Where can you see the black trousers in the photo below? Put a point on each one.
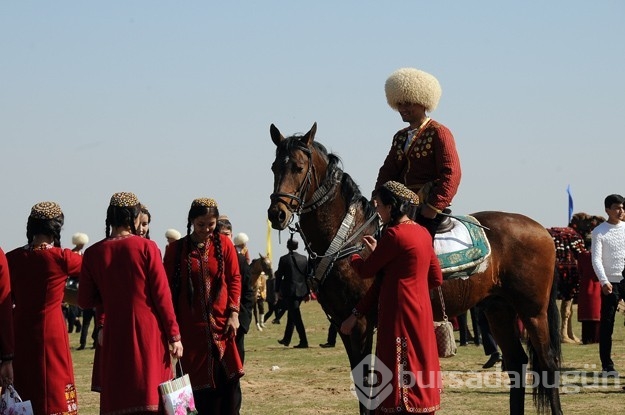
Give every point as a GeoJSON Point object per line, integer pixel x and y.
{"type": "Point", "coordinates": [87, 315]}
{"type": "Point", "coordinates": [609, 304]}
{"type": "Point", "coordinates": [488, 341]}
{"type": "Point", "coordinates": [294, 321]}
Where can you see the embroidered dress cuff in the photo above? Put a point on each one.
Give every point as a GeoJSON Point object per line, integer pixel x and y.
{"type": "Point", "coordinates": [174, 339]}
{"type": "Point", "coordinates": [233, 308]}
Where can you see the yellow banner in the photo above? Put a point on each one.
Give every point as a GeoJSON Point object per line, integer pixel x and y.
{"type": "Point", "coordinates": [269, 239]}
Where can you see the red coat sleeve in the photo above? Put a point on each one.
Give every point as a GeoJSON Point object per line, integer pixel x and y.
{"type": "Point", "coordinates": [448, 169]}
{"type": "Point", "coordinates": [73, 262]}
{"type": "Point", "coordinates": [6, 311]}
{"type": "Point", "coordinates": [160, 292]}
{"type": "Point", "coordinates": [232, 273]}
{"type": "Point", "coordinates": [88, 293]}
{"type": "Point", "coordinates": [435, 274]}
{"type": "Point", "coordinates": [385, 252]}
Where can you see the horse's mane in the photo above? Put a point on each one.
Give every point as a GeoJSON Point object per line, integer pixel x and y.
{"type": "Point", "coordinates": [349, 189]}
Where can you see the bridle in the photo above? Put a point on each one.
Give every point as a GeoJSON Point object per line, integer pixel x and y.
{"type": "Point", "coordinates": [339, 247]}
{"type": "Point", "coordinates": [295, 200]}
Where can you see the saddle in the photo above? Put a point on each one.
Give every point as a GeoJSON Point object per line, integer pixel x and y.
{"type": "Point", "coordinates": [461, 249]}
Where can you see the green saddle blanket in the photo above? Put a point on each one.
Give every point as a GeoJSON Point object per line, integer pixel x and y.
{"type": "Point", "coordinates": [463, 247]}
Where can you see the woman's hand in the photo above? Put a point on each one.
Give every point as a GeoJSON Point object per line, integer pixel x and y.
{"type": "Point", "coordinates": [175, 349]}
{"type": "Point", "coordinates": [370, 244]}
{"type": "Point", "coordinates": [348, 324]}
{"type": "Point", "coordinates": [6, 373]}
{"type": "Point", "coordinates": [232, 325]}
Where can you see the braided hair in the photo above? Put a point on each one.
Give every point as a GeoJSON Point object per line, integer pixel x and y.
{"type": "Point", "coordinates": [49, 227]}
{"type": "Point", "coordinates": [122, 216]}
{"type": "Point", "coordinates": [195, 212]}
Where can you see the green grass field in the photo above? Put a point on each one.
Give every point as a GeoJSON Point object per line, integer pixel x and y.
{"type": "Point", "coordinates": [282, 380]}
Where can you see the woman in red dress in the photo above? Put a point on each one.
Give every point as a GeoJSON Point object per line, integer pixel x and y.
{"type": "Point", "coordinates": [203, 271]}
{"type": "Point", "coordinates": [43, 363]}
{"type": "Point", "coordinates": [408, 268]}
{"type": "Point", "coordinates": [6, 324]}
{"type": "Point", "coordinates": [123, 276]}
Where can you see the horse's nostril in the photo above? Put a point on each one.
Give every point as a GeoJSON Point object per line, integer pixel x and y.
{"type": "Point", "coordinates": [281, 216]}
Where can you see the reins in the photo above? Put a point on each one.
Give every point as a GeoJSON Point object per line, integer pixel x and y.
{"type": "Point", "coordinates": [339, 246]}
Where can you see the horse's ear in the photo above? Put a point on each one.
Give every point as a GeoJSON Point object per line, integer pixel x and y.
{"type": "Point", "coordinates": [310, 136]}
{"type": "Point", "coordinates": [276, 135]}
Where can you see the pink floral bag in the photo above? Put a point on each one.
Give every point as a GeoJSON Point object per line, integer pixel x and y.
{"type": "Point", "coordinates": [177, 395]}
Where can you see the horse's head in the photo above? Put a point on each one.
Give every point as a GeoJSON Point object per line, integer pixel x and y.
{"type": "Point", "coordinates": [265, 265]}
{"type": "Point", "coordinates": [295, 175]}
{"type": "Point", "coordinates": [584, 223]}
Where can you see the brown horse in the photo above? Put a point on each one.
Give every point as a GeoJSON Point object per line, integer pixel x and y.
{"type": "Point", "coordinates": [517, 280]}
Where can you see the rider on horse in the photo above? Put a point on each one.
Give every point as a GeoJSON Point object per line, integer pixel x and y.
{"type": "Point", "coordinates": [423, 155]}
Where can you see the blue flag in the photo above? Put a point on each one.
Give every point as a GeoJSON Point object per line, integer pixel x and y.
{"type": "Point", "coordinates": [568, 190]}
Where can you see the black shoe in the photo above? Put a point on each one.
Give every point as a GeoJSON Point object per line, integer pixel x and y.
{"type": "Point", "coordinates": [275, 321]}
{"type": "Point", "coordinates": [492, 361]}
{"type": "Point", "coordinates": [301, 346]}
{"type": "Point", "coordinates": [78, 327]}
{"type": "Point", "coordinates": [283, 342]}
{"type": "Point", "coordinates": [327, 345]}
{"type": "Point", "coordinates": [609, 373]}
{"type": "Point", "coordinates": [81, 347]}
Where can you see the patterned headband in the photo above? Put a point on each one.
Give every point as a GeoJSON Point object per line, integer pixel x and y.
{"type": "Point", "coordinates": [124, 199]}
{"type": "Point", "coordinates": [46, 210]}
{"type": "Point", "coordinates": [402, 192]}
{"type": "Point", "coordinates": [204, 202]}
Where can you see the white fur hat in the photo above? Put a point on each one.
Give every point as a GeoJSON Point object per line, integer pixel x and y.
{"type": "Point", "coordinates": [414, 86]}
{"type": "Point", "coordinates": [241, 239]}
{"type": "Point", "coordinates": [172, 233]}
{"type": "Point", "coordinates": [80, 239]}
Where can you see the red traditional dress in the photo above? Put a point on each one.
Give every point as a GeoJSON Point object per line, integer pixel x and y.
{"type": "Point", "coordinates": [203, 304]}
{"type": "Point", "coordinates": [6, 311]}
{"type": "Point", "coordinates": [42, 365]}
{"type": "Point", "coordinates": [588, 299]}
{"type": "Point", "coordinates": [406, 340]}
{"type": "Point", "coordinates": [125, 276]}
{"type": "Point", "coordinates": [430, 156]}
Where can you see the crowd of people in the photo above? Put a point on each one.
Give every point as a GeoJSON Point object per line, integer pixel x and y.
{"type": "Point", "coordinates": [195, 304]}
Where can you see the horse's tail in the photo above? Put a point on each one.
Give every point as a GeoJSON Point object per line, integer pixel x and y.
{"type": "Point", "coordinates": [549, 376]}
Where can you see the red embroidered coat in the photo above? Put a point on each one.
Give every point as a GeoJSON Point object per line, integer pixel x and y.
{"type": "Point", "coordinates": [431, 156]}
{"type": "Point", "coordinates": [125, 276]}
{"type": "Point", "coordinates": [406, 339]}
{"type": "Point", "coordinates": [203, 312]}
{"type": "Point", "coordinates": [6, 310]}
{"type": "Point", "coordinates": [42, 365]}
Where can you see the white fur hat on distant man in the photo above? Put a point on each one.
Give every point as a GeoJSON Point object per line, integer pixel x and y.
{"type": "Point", "coordinates": [241, 239]}
{"type": "Point", "coordinates": [80, 239]}
{"type": "Point", "coordinates": [172, 234]}
{"type": "Point", "coordinates": [413, 86]}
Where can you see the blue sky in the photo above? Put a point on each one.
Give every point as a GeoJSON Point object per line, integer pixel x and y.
{"type": "Point", "coordinates": [173, 101]}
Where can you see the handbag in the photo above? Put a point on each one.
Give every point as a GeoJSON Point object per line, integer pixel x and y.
{"type": "Point", "coordinates": [12, 404]}
{"type": "Point", "coordinates": [177, 395]}
{"type": "Point", "coordinates": [444, 331]}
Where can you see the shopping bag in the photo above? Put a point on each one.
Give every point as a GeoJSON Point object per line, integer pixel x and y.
{"type": "Point", "coordinates": [12, 404]}
{"type": "Point", "coordinates": [177, 396]}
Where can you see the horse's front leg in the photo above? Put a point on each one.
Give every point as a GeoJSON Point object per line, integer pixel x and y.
{"type": "Point", "coordinates": [358, 345]}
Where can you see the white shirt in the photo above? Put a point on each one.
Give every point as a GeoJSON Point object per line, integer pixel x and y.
{"type": "Point", "coordinates": [608, 252]}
